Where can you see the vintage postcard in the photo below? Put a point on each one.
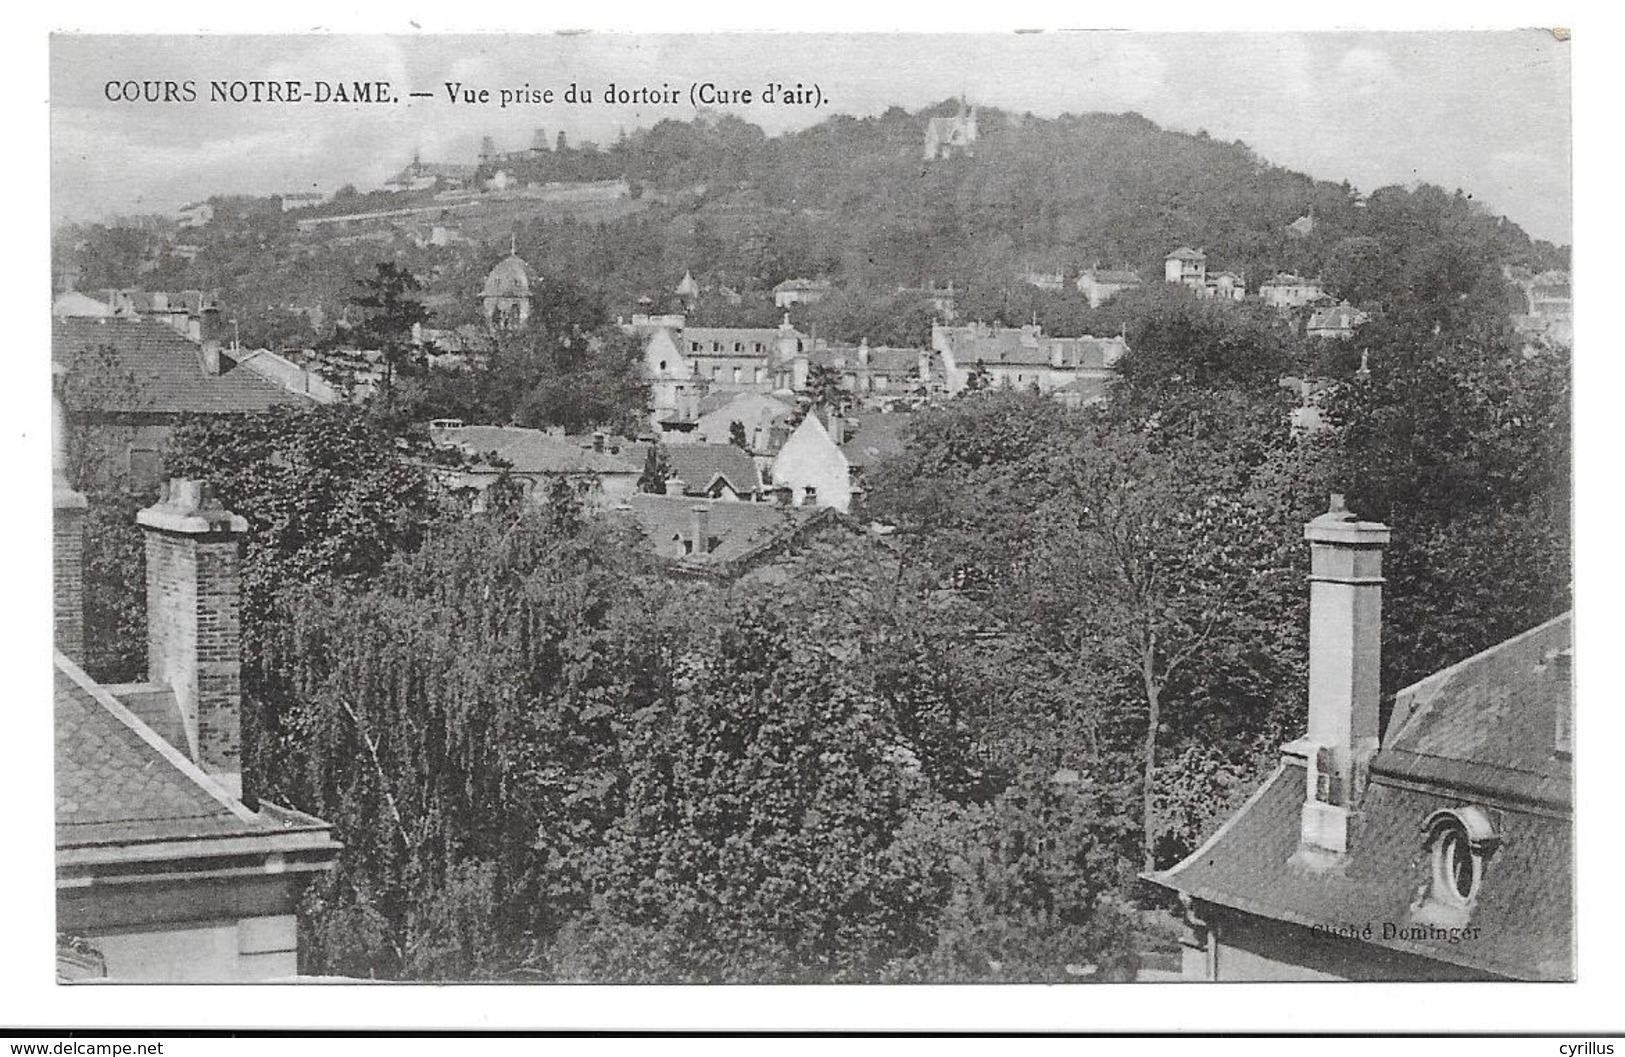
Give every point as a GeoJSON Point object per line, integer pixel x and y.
{"type": "Point", "coordinates": [830, 508]}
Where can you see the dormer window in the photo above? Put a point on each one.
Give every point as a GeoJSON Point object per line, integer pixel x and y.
{"type": "Point", "coordinates": [1460, 842]}
{"type": "Point", "coordinates": [1456, 870]}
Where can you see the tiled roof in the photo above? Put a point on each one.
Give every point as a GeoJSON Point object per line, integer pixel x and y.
{"type": "Point", "coordinates": [113, 786]}
{"type": "Point", "coordinates": [1482, 732]}
{"type": "Point", "coordinates": [699, 465]}
{"type": "Point", "coordinates": [155, 370]}
{"type": "Point", "coordinates": [741, 529]}
{"type": "Point", "coordinates": [1185, 253]}
{"type": "Point", "coordinates": [533, 451]}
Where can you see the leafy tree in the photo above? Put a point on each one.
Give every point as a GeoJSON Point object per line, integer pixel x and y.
{"type": "Point", "coordinates": [392, 306]}
{"type": "Point", "coordinates": [736, 436]}
{"type": "Point", "coordinates": [329, 501]}
{"type": "Point", "coordinates": [826, 388]}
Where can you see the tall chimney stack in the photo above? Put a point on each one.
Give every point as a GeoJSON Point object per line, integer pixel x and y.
{"type": "Point", "coordinates": [67, 537]}
{"type": "Point", "coordinates": [193, 619]}
{"type": "Point", "coordinates": [1345, 662]}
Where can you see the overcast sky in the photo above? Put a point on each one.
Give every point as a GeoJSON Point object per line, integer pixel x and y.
{"type": "Point", "coordinates": [1487, 112]}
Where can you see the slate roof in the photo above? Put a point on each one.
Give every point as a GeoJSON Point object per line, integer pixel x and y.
{"type": "Point", "coordinates": [699, 465]}
{"type": "Point", "coordinates": [1185, 253]}
{"type": "Point", "coordinates": [534, 451]}
{"type": "Point", "coordinates": [115, 786]}
{"type": "Point", "coordinates": [155, 370]}
{"type": "Point", "coordinates": [1483, 732]}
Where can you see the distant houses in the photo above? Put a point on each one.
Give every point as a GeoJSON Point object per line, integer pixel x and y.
{"type": "Point", "coordinates": [1285, 290]}
{"type": "Point", "coordinates": [1022, 357]}
{"type": "Point", "coordinates": [534, 462]}
{"type": "Point", "coordinates": [1335, 322]}
{"type": "Point", "coordinates": [1099, 285]}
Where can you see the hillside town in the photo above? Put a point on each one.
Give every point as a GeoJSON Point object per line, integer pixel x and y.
{"type": "Point", "coordinates": [553, 556]}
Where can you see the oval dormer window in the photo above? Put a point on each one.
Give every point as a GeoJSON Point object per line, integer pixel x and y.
{"type": "Point", "coordinates": [1459, 840]}
{"type": "Point", "coordinates": [1455, 867]}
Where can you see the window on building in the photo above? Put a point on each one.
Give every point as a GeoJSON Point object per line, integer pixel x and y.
{"type": "Point", "coordinates": [662, 365]}
{"type": "Point", "coordinates": [736, 375]}
{"type": "Point", "coordinates": [1460, 842]}
{"type": "Point", "coordinates": [1455, 867]}
{"type": "Point", "coordinates": [739, 346]}
{"type": "Point", "coordinates": [693, 346]}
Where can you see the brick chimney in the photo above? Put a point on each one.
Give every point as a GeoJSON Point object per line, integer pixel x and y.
{"type": "Point", "coordinates": [67, 537]}
{"type": "Point", "coordinates": [193, 613]}
{"type": "Point", "coordinates": [1345, 655]}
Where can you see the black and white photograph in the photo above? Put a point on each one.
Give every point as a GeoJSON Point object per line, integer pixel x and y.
{"type": "Point", "coordinates": [733, 508]}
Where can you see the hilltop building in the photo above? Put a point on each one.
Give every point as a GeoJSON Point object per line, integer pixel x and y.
{"type": "Point", "coordinates": [1439, 848]}
{"type": "Point", "coordinates": [420, 175]}
{"type": "Point", "coordinates": [947, 137]}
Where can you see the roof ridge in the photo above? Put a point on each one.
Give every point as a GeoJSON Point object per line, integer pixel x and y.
{"type": "Point", "coordinates": [170, 753]}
